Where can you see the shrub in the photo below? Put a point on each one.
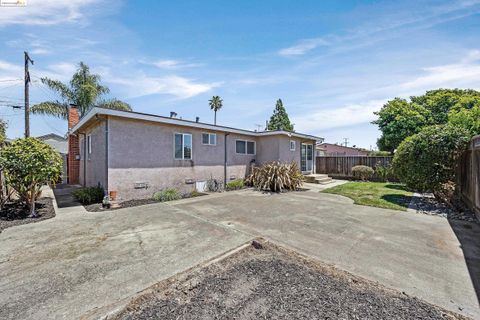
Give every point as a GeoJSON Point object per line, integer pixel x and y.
{"type": "Point", "coordinates": [235, 184]}
{"type": "Point", "coordinates": [28, 164]}
{"type": "Point", "coordinates": [362, 172]}
{"type": "Point", "coordinates": [166, 195]}
{"type": "Point", "coordinates": [276, 176]}
{"type": "Point", "coordinates": [379, 154]}
{"type": "Point", "coordinates": [89, 195]}
{"type": "Point", "coordinates": [385, 173]}
{"type": "Point", "coordinates": [427, 160]}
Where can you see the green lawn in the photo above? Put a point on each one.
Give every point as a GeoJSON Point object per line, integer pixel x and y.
{"type": "Point", "coordinates": [375, 194]}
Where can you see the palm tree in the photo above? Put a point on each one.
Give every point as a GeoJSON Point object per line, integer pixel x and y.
{"type": "Point", "coordinates": [84, 91]}
{"type": "Point", "coordinates": [215, 104]}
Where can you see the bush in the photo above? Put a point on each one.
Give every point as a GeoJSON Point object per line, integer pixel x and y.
{"type": "Point", "coordinates": [166, 195]}
{"type": "Point", "coordinates": [362, 172]}
{"type": "Point", "coordinates": [28, 164]}
{"type": "Point", "coordinates": [427, 160]}
{"type": "Point", "coordinates": [385, 173]}
{"type": "Point", "coordinates": [235, 184]}
{"type": "Point", "coordinates": [276, 176]}
{"type": "Point", "coordinates": [89, 195]}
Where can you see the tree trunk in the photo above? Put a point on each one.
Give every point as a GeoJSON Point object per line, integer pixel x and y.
{"type": "Point", "coordinates": [33, 195]}
{"type": "Point", "coordinates": [215, 118]}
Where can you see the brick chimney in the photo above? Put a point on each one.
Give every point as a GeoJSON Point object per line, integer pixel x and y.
{"type": "Point", "coordinates": [73, 147]}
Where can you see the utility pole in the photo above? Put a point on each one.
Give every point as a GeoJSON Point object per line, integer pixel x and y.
{"type": "Point", "coordinates": [27, 95]}
{"type": "Point", "coordinates": [345, 141]}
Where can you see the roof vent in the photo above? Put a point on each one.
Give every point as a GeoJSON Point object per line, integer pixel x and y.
{"type": "Point", "coordinates": [197, 119]}
{"type": "Point", "coordinates": [173, 114]}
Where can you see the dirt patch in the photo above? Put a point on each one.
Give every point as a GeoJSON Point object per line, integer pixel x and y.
{"type": "Point", "coordinates": [17, 213]}
{"type": "Point", "coordinates": [267, 281]}
{"type": "Point", "coordinates": [97, 207]}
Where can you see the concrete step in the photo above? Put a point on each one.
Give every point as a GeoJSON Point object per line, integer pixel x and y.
{"type": "Point", "coordinates": [311, 178]}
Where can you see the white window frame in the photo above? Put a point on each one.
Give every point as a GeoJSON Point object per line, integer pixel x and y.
{"type": "Point", "coordinates": [246, 147]}
{"type": "Point", "coordinates": [209, 139]}
{"type": "Point", "coordinates": [183, 145]}
{"type": "Point", "coordinates": [294, 143]}
{"type": "Point", "coordinates": [89, 144]}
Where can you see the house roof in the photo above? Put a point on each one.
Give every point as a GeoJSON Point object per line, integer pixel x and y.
{"type": "Point", "coordinates": [323, 146]}
{"type": "Point", "coordinates": [57, 142]}
{"type": "Point", "coordinates": [94, 112]}
{"type": "Point", "coordinates": [52, 136]}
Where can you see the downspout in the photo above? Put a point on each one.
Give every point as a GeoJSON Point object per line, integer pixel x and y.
{"type": "Point", "coordinates": [106, 150]}
{"type": "Point", "coordinates": [225, 163]}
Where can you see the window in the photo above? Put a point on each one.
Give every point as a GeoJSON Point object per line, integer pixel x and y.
{"type": "Point", "coordinates": [209, 139]}
{"type": "Point", "coordinates": [89, 144]}
{"type": "Point", "coordinates": [292, 145]}
{"type": "Point", "coordinates": [183, 146]}
{"type": "Point", "coordinates": [245, 147]}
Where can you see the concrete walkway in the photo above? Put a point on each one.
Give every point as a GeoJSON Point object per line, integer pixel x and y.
{"type": "Point", "coordinates": [424, 256]}
{"type": "Point", "coordinates": [64, 267]}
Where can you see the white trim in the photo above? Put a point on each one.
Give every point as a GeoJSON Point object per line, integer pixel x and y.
{"type": "Point", "coordinates": [209, 140]}
{"type": "Point", "coordinates": [184, 123]}
{"type": "Point", "coordinates": [294, 145]}
{"type": "Point", "coordinates": [89, 144]}
{"type": "Point", "coordinates": [246, 147]}
{"type": "Point", "coordinates": [183, 145]}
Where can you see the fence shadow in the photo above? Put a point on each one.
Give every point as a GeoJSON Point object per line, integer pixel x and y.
{"type": "Point", "coordinates": [468, 234]}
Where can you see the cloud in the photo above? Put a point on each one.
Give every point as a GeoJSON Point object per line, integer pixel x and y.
{"type": "Point", "coordinates": [143, 85]}
{"type": "Point", "coordinates": [44, 12]}
{"type": "Point", "coordinates": [303, 47]}
{"type": "Point", "coordinates": [173, 64]}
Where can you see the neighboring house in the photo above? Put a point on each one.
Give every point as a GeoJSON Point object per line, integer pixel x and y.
{"type": "Point", "coordinates": [59, 144]}
{"type": "Point", "coordinates": [136, 154]}
{"type": "Point", "coordinates": [330, 149]}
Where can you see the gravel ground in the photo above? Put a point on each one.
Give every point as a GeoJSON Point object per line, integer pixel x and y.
{"type": "Point", "coordinates": [425, 203]}
{"type": "Point", "coordinates": [274, 283]}
{"type": "Point", "coordinates": [16, 213]}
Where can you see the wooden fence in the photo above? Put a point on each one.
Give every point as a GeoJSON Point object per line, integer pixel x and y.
{"type": "Point", "coordinates": [342, 165]}
{"type": "Point", "coordinates": [468, 176]}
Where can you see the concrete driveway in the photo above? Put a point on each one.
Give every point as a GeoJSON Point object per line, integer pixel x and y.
{"type": "Point", "coordinates": [422, 255]}
{"type": "Point", "coordinates": [66, 266]}
{"type": "Point", "coordinates": [63, 267]}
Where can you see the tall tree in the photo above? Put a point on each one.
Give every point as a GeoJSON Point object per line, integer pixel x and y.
{"type": "Point", "coordinates": [3, 131]}
{"type": "Point", "coordinates": [216, 104]}
{"type": "Point", "coordinates": [84, 90]}
{"type": "Point", "coordinates": [399, 118]}
{"type": "Point", "coordinates": [279, 119]}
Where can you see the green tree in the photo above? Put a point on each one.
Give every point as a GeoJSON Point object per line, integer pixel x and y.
{"type": "Point", "coordinates": [469, 119]}
{"type": "Point", "coordinates": [28, 164]}
{"type": "Point", "coordinates": [216, 104]}
{"type": "Point", "coordinates": [3, 131]}
{"type": "Point", "coordinates": [398, 120]}
{"type": "Point", "coordinates": [279, 119]}
{"type": "Point", "coordinates": [427, 160]}
{"type": "Point", "coordinates": [84, 90]}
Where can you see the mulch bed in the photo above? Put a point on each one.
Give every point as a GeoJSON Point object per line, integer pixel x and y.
{"type": "Point", "coordinates": [17, 213]}
{"type": "Point", "coordinates": [269, 282]}
{"type": "Point", "coordinates": [97, 207]}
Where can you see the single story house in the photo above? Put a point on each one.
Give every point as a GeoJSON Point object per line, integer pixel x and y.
{"type": "Point", "coordinates": [136, 154]}
{"type": "Point", "coordinates": [331, 149]}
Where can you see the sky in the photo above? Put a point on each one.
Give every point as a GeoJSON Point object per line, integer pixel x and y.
{"type": "Point", "coordinates": [333, 63]}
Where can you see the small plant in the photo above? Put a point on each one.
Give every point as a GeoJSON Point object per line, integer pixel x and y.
{"type": "Point", "coordinates": [166, 195]}
{"type": "Point", "coordinates": [89, 195]}
{"type": "Point", "coordinates": [385, 173]}
{"type": "Point", "coordinates": [213, 185]}
{"type": "Point", "coordinates": [276, 176]}
{"type": "Point", "coordinates": [235, 184]}
{"type": "Point", "coordinates": [362, 172]}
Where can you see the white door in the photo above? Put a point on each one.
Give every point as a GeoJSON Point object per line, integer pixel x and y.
{"type": "Point", "coordinates": [306, 158]}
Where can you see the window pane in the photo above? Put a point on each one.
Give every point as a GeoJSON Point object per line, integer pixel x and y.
{"type": "Point", "coordinates": [213, 139]}
{"type": "Point", "coordinates": [240, 146]}
{"type": "Point", "coordinates": [187, 146]}
{"type": "Point", "coordinates": [251, 147]}
{"type": "Point", "coordinates": [178, 146]}
{"type": "Point", "coordinates": [205, 138]}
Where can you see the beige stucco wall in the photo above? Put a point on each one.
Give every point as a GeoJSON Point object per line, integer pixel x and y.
{"type": "Point", "coordinates": [142, 152]}
{"type": "Point", "coordinates": [94, 164]}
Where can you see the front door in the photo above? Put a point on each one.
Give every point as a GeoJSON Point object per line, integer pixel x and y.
{"type": "Point", "coordinates": [306, 158]}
